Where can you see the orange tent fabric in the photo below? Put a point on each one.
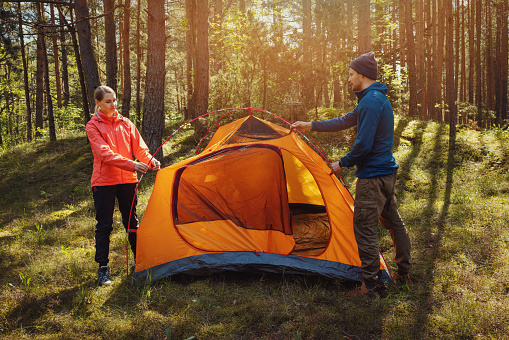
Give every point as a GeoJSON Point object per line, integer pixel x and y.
{"type": "Point", "coordinates": [258, 198]}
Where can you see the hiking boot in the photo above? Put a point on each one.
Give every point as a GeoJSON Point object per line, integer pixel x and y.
{"type": "Point", "coordinates": [103, 276]}
{"type": "Point", "coordinates": [367, 290]}
{"type": "Point", "coordinates": [401, 279]}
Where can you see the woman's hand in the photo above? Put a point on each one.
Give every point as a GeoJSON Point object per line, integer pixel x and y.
{"type": "Point", "coordinates": [141, 167]}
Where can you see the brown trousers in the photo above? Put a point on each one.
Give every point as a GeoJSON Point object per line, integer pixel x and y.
{"type": "Point", "coordinates": [375, 201]}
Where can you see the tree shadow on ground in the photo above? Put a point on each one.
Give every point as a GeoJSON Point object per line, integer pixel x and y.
{"type": "Point", "coordinates": [31, 310]}
{"type": "Point", "coordinates": [433, 238]}
{"type": "Point", "coordinates": [405, 167]}
{"type": "Point", "coordinates": [53, 174]}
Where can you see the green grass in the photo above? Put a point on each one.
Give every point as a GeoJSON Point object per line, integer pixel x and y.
{"type": "Point", "coordinates": [456, 208]}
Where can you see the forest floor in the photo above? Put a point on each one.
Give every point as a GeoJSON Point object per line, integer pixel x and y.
{"type": "Point", "coordinates": [456, 207]}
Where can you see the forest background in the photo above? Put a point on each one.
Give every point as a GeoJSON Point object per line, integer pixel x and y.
{"type": "Point", "coordinates": [443, 60]}
{"type": "Point", "coordinates": [445, 63]}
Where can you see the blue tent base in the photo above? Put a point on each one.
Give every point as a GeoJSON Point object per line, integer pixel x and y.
{"type": "Point", "coordinates": [252, 262]}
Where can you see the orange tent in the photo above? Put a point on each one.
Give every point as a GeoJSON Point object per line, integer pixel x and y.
{"type": "Point", "coordinates": [258, 198]}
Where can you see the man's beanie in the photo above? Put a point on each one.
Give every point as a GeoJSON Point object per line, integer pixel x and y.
{"type": "Point", "coordinates": [366, 65]}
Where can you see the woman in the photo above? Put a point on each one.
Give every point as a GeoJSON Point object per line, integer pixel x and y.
{"type": "Point", "coordinates": [114, 140]}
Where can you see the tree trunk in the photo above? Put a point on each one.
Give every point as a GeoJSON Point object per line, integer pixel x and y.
{"type": "Point", "coordinates": [501, 63]}
{"type": "Point", "coordinates": [412, 76]}
{"type": "Point", "coordinates": [153, 108]}
{"type": "Point", "coordinates": [463, 84]}
{"type": "Point", "coordinates": [477, 66]}
{"type": "Point", "coordinates": [364, 26]}
{"type": "Point", "coordinates": [402, 33]}
{"type": "Point", "coordinates": [430, 61]}
{"type": "Point", "coordinates": [504, 58]}
{"type": "Point", "coordinates": [25, 77]}
{"type": "Point", "coordinates": [379, 27]}
{"type": "Point", "coordinates": [121, 56]}
{"type": "Point", "coordinates": [43, 54]}
{"type": "Point", "coordinates": [190, 52]}
{"type": "Point", "coordinates": [457, 42]}
{"type": "Point", "coordinates": [139, 57]}
{"type": "Point", "coordinates": [39, 78]}
{"type": "Point", "coordinates": [471, 52]}
{"type": "Point", "coordinates": [202, 63]}
{"type": "Point", "coordinates": [218, 44]}
{"type": "Point", "coordinates": [81, 74]}
{"type": "Point", "coordinates": [489, 62]}
{"type": "Point", "coordinates": [449, 76]}
{"type": "Point", "coordinates": [440, 61]}
{"type": "Point", "coordinates": [51, 117]}
{"type": "Point", "coordinates": [86, 50]}
{"type": "Point", "coordinates": [110, 42]}
{"type": "Point", "coordinates": [394, 45]}
{"type": "Point", "coordinates": [126, 93]}
{"type": "Point", "coordinates": [419, 60]}
{"type": "Point", "coordinates": [65, 67]}
{"type": "Point", "coordinates": [307, 58]}
{"type": "Point", "coordinates": [56, 59]}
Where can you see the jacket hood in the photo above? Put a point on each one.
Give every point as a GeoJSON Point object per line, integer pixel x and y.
{"type": "Point", "coordinates": [375, 86]}
{"type": "Point", "coordinates": [101, 117]}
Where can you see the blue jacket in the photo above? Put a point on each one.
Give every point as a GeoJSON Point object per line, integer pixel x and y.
{"type": "Point", "coordinates": [372, 151]}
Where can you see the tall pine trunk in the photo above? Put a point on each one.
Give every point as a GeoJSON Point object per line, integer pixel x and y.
{"type": "Point", "coordinates": [110, 43]}
{"type": "Point", "coordinates": [56, 58]}
{"type": "Point", "coordinates": [153, 108]}
{"type": "Point", "coordinates": [190, 52]}
{"type": "Point", "coordinates": [139, 57]}
{"type": "Point", "coordinates": [49, 101]}
{"type": "Point", "coordinates": [307, 57]}
{"type": "Point", "coordinates": [504, 58]}
{"type": "Point", "coordinates": [402, 33]}
{"type": "Point", "coordinates": [430, 61]}
{"type": "Point", "coordinates": [450, 88]}
{"type": "Point", "coordinates": [412, 75]}
{"type": "Point", "coordinates": [420, 68]}
{"type": "Point", "coordinates": [471, 50]}
{"type": "Point", "coordinates": [65, 66]}
{"type": "Point", "coordinates": [86, 50]}
{"type": "Point", "coordinates": [25, 76]}
{"type": "Point", "coordinates": [202, 63]}
{"type": "Point", "coordinates": [126, 93]}
{"type": "Point", "coordinates": [39, 78]}
{"type": "Point", "coordinates": [440, 61]}
{"type": "Point", "coordinates": [364, 26]}
{"type": "Point", "coordinates": [463, 83]}
{"type": "Point", "coordinates": [477, 66]}
{"type": "Point", "coordinates": [501, 63]}
{"type": "Point", "coordinates": [79, 65]}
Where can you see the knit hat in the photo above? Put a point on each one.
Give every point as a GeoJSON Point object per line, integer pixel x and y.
{"type": "Point", "coordinates": [366, 65]}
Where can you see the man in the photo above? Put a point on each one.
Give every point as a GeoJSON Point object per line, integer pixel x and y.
{"type": "Point", "coordinates": [376, 171]}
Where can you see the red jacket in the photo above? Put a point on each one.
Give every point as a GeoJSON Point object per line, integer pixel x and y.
{"type": "Point", "coordinates": [114, 141]}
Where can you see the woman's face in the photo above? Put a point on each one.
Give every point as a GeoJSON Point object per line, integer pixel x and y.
{"type": "Point", "coordinates": [108, 104]}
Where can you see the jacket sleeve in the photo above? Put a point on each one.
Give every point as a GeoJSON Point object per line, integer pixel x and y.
{"type": "Point", "coordinates": [139, 147]}
{"type": "Point", "coordinates": [335, 124]}
{"type": "Point", "coordinates": [367, 123]}
{"type": "Point", "coordinates": [103, 152]}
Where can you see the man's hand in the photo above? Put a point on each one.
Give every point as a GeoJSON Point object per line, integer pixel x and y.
{"type": "Point", "coordinates": [301, 126]}
{"type": "Point", "coordinates": [336, 168]}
